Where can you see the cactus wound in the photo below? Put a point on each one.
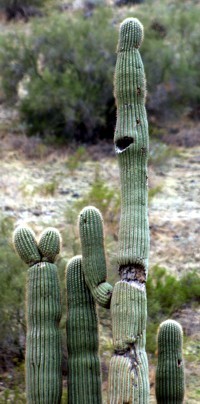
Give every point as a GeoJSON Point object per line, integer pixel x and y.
{"type": "Point", "coordinates": [133, 273]}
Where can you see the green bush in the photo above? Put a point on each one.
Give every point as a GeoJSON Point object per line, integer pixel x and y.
{"type": "Point", "coordinates": [103, 197]}
{"type": "Point", "coordinates": [65, 71]}
{"type": "Point", "coordinates": [60, 72]}
{"type": "Point", "coordinates": [171, 56]}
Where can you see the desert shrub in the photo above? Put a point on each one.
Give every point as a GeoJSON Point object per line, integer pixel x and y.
{"type": "Point", "coordinates": [60, 74]}
{"type": "Point", "coordinates": [171, 57]}
{"type": "Point", "coordinates": [64, 73]}
{"type": "Point", "coordinates": [166, 294]}
{"type": "Point", "coordinates": [103, 197]}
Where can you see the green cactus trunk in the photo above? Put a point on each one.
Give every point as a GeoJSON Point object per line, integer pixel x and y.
{"type": "Point", "coordinates": [128, 375]}
{"type": "Point", "coordinates": [43, 313]}
{"type": "Point", "coordinates": [170, 369]}
{"type": "Point", "coordinates": [84, 376]}
{"type": "Point", "coordinates": [43, 344]}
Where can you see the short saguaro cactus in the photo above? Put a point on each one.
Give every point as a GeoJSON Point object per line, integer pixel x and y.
{"type": "Point", "coordinates": [170, 369]}
{"type": "Point", "coordinates": [43, 313]}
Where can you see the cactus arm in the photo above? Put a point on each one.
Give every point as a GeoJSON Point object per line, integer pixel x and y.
{"type": "Point", "coordinates": [84, 377]}
{"type": "Point", "coordinates": [128, 373]}
{"type": "Point", "coordinates": [43, 313]}
{"type": "Point", "coordinates": [93, 255]}
{"type": "Point", "coordinates": [170, 368]}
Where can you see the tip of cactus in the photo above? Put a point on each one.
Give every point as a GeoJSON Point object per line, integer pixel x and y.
{"type": "Point", "coordinates": [131, 34]}
{"type": "Point", "coordinates": [87, 209]}
{"type": "Point", "coordinates": [74, 262]}
{"type": "Point", "coordinates": [25, 245]}
{"type": "Point", "coordinates": [90, 213]}
{"type": "Point", "coordinates": [170, 324]}
{"type": "Point", "coordinates": [169, 336]}
{"type": "Point", "coordinates": [50, 244]}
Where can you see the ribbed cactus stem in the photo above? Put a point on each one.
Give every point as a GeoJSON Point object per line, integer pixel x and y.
{"type": "Point", "coordinates": [132, 144]}
{"type": "Point", "coordinates": [170, 368]}
{"type": "Point", "coordinates": [43, 313]}
{"type": "Point", "coordinates": [93, 255]}
{"type": "Point", "coordinates": [84, 377]}
{"type": "Point", "coordinates": [128, 375]}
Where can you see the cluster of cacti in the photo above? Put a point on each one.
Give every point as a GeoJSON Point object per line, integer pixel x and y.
{"type": "Point", "coordinates": [86, 277]}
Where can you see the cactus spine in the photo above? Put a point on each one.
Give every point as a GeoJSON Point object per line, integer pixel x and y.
{"type": "Point", "coordinates": [84, 377]}
{"type": "Point", "coordinates": [128, 375]}
{"type": "Point", "coordinates": [170, 369]}
{"type": "Point", "coordinates": [43, 313]}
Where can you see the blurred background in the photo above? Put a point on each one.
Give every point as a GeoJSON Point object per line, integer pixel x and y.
{"type": "Point", "coordinates": [57, 120]}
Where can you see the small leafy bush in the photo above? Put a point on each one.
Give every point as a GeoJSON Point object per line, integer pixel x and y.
{"type": "Point", "coordinates": [104, 198]}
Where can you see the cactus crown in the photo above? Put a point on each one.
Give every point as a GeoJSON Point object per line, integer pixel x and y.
{"type": "Point", "coordinates": [30, 251]}
{"type": "Point", "coordinates": [170, 336]}
{"type": "Point", "coordinates": [131, 34]}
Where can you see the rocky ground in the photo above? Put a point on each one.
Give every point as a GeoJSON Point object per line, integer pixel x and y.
{"type": "Point", "coordinates": [39, 184]}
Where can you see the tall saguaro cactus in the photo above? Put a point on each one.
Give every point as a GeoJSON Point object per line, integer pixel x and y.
{"type": "Point", "coordinates": [128, 377]}
{"type": "Point", "coordinates": [43, 313]}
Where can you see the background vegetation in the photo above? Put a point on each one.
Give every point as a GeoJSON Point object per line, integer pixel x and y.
{"type": "Point", "coordinates": [58, 70]}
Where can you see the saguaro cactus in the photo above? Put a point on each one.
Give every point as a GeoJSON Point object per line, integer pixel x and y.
{"type": "Point", "coordinates": [43, 313]}
{"type": "Point", "coordinates": [128, 375]}
{"type": "Point", "coordinates": [84, 376]}
{"type": "Point", "coordinates": [170, 369]}
{"type": "Point", "coordinates": [128, 378]}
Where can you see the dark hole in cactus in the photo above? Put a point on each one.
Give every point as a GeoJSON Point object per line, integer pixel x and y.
{"type": "Point", "coordinates": [132, 272]}
{"type": "Point", "coordinates": [179, 363]}
{"type": "Point", "coordinates": [137, 121]}
{"type": "Point", "coordinates": [138, 91]}
{"type": "Point", "coordinates": [123, 143]}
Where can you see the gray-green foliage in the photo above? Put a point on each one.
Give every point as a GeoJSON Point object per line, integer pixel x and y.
{"type": "Point", "coordinates": [65, 67]}
{"type": "Point", "coordinates": [65, 72]}
{"type": "Point", "coordinates": [170, 54]}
